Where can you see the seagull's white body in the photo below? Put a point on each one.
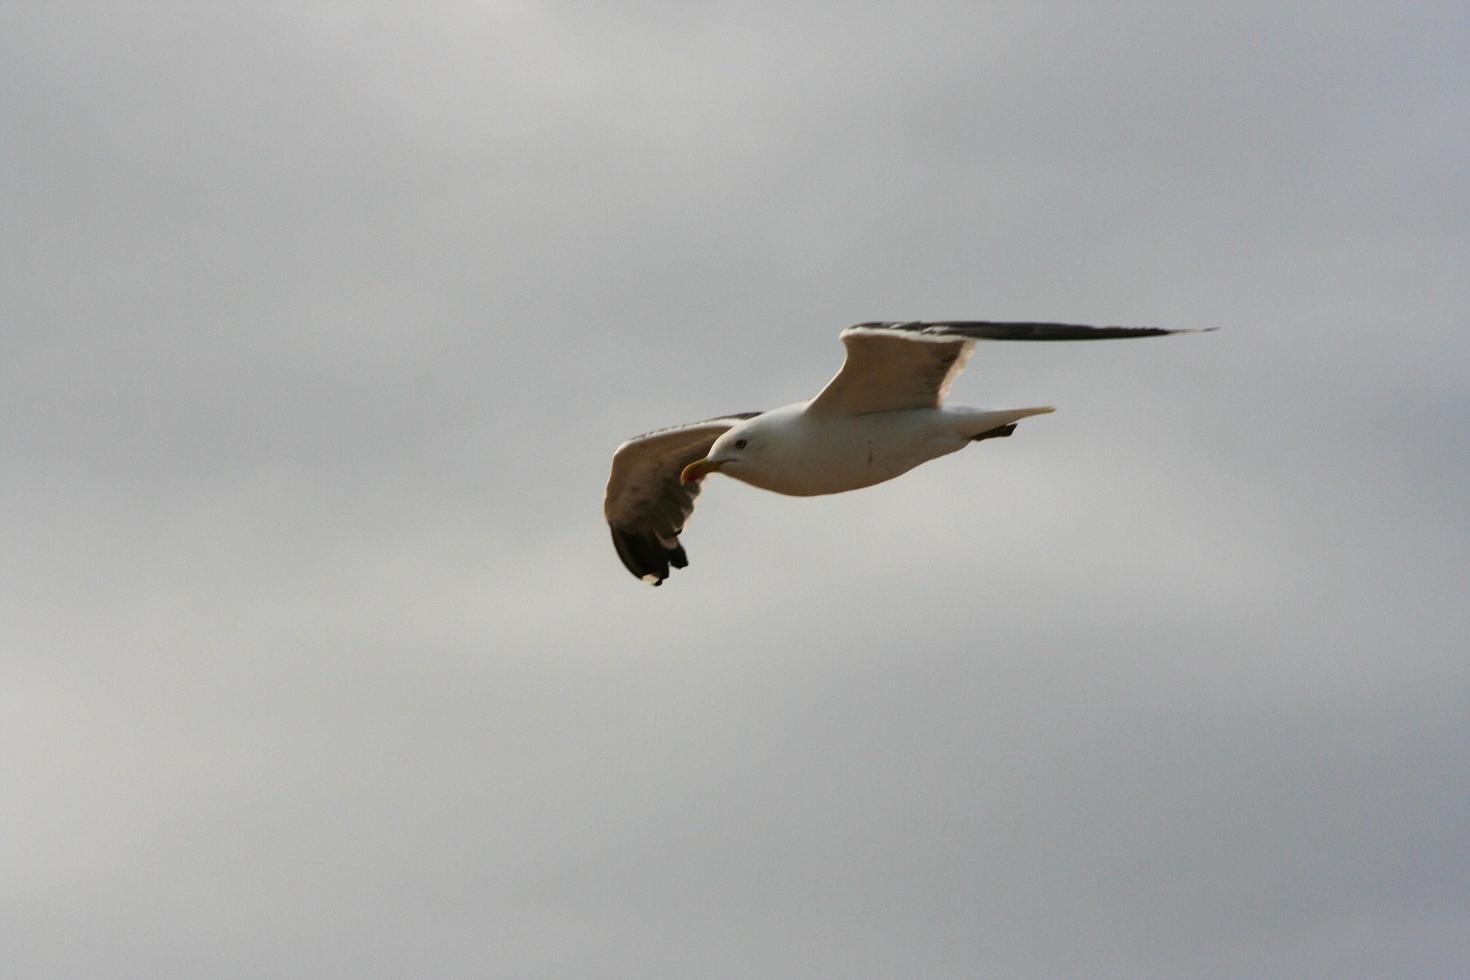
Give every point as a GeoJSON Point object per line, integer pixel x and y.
{"type": "Point", "coordinates": [882, 415]}
{"type": "Point", "coordinates": [814, 453]}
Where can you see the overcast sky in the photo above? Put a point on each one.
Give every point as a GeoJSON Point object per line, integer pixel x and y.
{"type": "Point", "coordinates": [321, 322]}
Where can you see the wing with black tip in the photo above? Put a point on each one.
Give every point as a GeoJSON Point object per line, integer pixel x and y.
{"type": "Point", "coordinates": [646, 506]}
{"type": "Point", "coordinates": [894, 366]}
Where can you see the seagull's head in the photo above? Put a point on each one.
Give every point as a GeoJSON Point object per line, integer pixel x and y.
{"type": "Point", "coordinates": [734, 452]}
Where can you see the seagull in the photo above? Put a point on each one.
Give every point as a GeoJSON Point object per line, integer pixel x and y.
{"type": "Point", "coordinates": [882, 415]}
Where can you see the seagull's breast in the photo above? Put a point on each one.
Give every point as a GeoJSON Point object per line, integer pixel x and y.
{"type": "Point", "coordinates": [814, 454]}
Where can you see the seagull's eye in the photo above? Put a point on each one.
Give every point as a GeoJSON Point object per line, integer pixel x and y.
{"type": "Point", "coordinates": [739, 443]}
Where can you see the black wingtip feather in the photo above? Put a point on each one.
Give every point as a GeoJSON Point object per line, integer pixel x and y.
{"type": "Point", "coordinates": [644, 555]}
{"type": "Point", "coordinates": [1006, 330]}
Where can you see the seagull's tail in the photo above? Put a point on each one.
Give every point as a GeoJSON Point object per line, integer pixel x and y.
{"type": "Point", "coordinates": [1021, 413]}
{"type": "Point", "coordinates": [978, 424]}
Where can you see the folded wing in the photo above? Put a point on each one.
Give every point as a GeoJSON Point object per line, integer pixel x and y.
{"type": "Point", "coordinates": [893, 366]}
{"type": "Point", "coordinates": [646, 506]}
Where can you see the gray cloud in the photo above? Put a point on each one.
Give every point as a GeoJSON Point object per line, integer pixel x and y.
{"type": "Point", "coordinates": [321, 327]}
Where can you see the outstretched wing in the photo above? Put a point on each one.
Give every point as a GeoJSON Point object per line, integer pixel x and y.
{"type": "Point", "coordinates": [646, 506]}
{"type": "Point", "coordinates": [892, 366]}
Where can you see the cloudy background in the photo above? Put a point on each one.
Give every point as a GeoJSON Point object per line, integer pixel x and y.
{"type": "Point", "coordinates": [320, 323]}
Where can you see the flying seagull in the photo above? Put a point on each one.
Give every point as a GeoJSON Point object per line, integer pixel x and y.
{"type": "Point", "coordinates": [882, 415]}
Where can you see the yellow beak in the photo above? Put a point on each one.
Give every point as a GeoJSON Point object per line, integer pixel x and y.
{"type": "Point", "coordinates": [698, 469]}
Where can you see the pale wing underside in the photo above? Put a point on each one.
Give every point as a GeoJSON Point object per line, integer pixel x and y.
{"type": "Point", "coordinates": [646, 506]}
{"type": "Point", "coordinates": [895, 366]}
{"type": "Point", "coordinates": [888, 370]}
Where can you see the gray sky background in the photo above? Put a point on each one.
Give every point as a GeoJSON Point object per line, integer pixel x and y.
{"type": "Point", "coordinates": [320, 323]}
